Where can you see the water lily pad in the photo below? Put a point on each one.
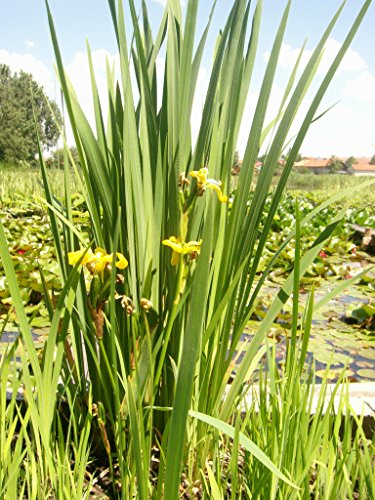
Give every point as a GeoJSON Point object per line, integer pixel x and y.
{"type": "Point", "coordinates": [364, 364]}
{"type": "Point", "coordinates": [368, 353]}
{"type": "Point", "coordinates": [366, 373]}
{"type": "Point", "coordinates": [39, 322]}
{"type": "Point", "coordinates": [363, 313]}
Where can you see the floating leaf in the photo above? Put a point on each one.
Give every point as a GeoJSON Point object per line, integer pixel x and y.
{"type": "Point", "coordinates": [364, 364]}
{"type": "Point", "coordinates": [366, 373]}
{"type": "Point", "coordinates": [367, 353]}
{"type": "Point", "coordinates": [363, 313]}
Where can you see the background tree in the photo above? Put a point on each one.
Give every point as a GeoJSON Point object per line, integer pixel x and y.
{"type": "Point", "coordinates": [299, 156]}
{"type": "Point", "coordinates": [56, 160]}
{"type": "Point", "coordinates": [335, 164]}
{"type": "Point", "coordinates": [372, 160]}
{"type": "Point", "coordinates": [20, 97]}
{"type": "Point", "coordinates": [349, 162]}
{"type": "Point", "coordinates": [236, 159]}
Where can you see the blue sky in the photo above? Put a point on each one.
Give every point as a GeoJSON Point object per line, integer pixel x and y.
{"type": "Point", "coordinates": [348, 129]}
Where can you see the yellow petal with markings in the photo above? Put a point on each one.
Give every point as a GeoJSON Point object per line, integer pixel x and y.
{"type": "Point", "coordinates": [192, 247]}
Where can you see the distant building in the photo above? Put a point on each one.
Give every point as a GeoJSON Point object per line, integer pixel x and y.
{"type": "Point", "coordinates": [362, 167]}
{"type": "Point", "coordinates": [314, 165]}
{"type": "Point", "coordinates": [321, 166]}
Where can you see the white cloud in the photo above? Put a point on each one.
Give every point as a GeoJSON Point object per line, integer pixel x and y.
{"type": "Point", "coordinates": [30, 44]}
{"type": "Point", "coordinates": [352, 61]}
{"type": "Point", "coordinates": [344, 131]}
{"type": "Point", "coordinates": [362, 87]}
{"type": "Point", "coordinates": [29, 64]}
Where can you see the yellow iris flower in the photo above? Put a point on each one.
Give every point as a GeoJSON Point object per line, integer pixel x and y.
{"type": "Point", "coordinates": [204, 183]}
{"type": "Point", "coordinates": [73, 257]}
{"type": "Point", "coordinates": [200, 175]}
{"type": "Point", "coordinates": [98, 260]}
{"type": "Point", "coordinates": [182, 248]}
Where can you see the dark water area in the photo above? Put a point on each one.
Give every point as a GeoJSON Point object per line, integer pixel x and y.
{"type": "Point", "coordinates": [7, 338]}
{"type": "Point", "coordinates": [10, 337]}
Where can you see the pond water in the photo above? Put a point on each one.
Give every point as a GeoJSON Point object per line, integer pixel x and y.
{"type": "Point", "coordinates": [338, 337]}
{"type": "Point", "coordinates": [7, 338]}
{"type": "Point", "coordinates": [337, 341]}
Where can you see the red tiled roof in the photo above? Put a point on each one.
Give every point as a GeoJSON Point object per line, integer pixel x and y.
{"type": "Point", "coordinates": [312, 163]}
{"type": "Point", "coordinates": [361, 164]}
{"type": "Point", "coordinates": [365, 166]}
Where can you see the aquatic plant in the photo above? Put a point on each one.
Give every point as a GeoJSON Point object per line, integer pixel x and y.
{"type": "Point", "coordinates": [143, 355]}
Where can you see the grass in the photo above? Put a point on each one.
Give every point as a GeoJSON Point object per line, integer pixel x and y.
{"type": "Point", "coordinates": [26, 182]}
{"type": "Point", "coordinates": [326, 185]}
{"type": "Point", "coordinates": [20, 181]}
{"type": "Point", "coordinates": [152, 310]}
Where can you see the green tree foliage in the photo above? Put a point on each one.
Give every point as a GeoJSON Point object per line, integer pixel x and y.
{"type": "Point", "coordinates": [20, 97]}
{"type": "Point", "coordinates": [372, 160]}
{"type": "Point", "coordinates": [236, 159]}
{"type": "Point", "coordinates": [350, 162]}
{"type": "Point", "coordinates": [335, 164]}
{"type": "Point", "coordinates": [57, 158]}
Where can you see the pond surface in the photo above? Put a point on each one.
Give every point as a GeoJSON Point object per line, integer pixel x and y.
{"type": "Point", "coordinates": [8, 338]}
{"type": "Point", "coordinates": [338, 341]}
{"type": "Point", "coordinates": [334, 342]}
{"type": "Point", "coordinates": [343, 331]}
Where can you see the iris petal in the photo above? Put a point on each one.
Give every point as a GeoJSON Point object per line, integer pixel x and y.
{"type": "Point", "coordinates": [99, 260]}
{"type": "Point", "coordinates": [191, 247]}
{"type": "Point", "coordinates": [203, 183]}
{"type": "Point", "coordinates": [122, 263]}
{"type": "Point", "coordinates": [220, 194]}
{"type": "Point", "coordinates": [173, 243]}
{"type": "Point", "coordinates": [73, 257]}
